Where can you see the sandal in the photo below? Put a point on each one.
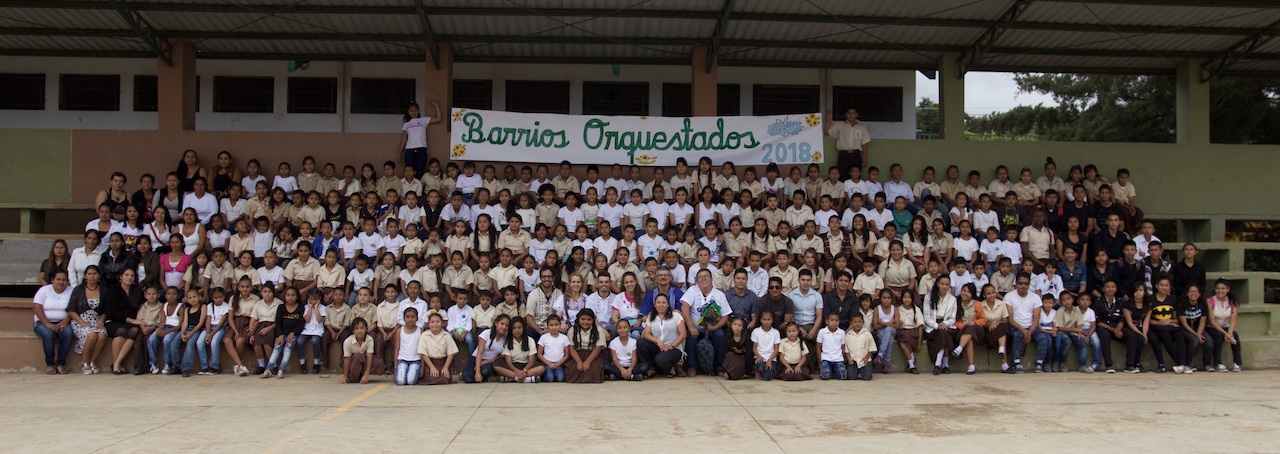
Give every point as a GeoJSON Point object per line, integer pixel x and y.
{"type": "Point", "coordinates": [62, 370]}
{"type": "Point", "coordinates": [50, 370]}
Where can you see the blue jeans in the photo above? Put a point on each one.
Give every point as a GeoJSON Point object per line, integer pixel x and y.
{"type": "Point", "coordinates": [189, 356]}
{"type": "Point", "coordinates": [553, 375]}
{"type": "Point", "coordinates": [1044, 343]}
{"type": "Point", "coordinates": [833, 369]}
{"type": "Point", "coordinates": [215, 346]}
{"type": "Point", "coordinates": [469, 371]}
{"type": "Point", "coordinates": [639, 368]}
{"type": "Point", "coordinates": [691, 348]}
{"type": "Point", "coordinates": [1064, 341]}
{"type": "Point", "coordinates": [56, 345]}
{"type": "Point", "coordinates": [173, 350]}
{"type": "Point", "coordinates": [407, 371]}
{"type": "Point", "coordinates": [417, 159]}
{"type": "Point", "coordinates": [1016, 339]}
{"type": "Point", "coordinates": [884, 337]}
{"type": "Point", "coordinates": [1096, 344]}
{"type": "Point", "coordinates": [303, 340]}
{"type": "Point", "coordinates": [154, 341]}
{"type": "Point", "coordinates": [861, 373]}
{"type": "Point", "coordinates": [767, 374]}
{"type": "Point", "coordinates": [280, 354]}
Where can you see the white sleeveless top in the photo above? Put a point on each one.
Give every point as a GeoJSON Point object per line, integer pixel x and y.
{"type": "Point", "coordinates": [886, 318]}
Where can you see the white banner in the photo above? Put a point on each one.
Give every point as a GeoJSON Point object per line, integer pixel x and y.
{"type": "Point", "coordinates": [485, 135]}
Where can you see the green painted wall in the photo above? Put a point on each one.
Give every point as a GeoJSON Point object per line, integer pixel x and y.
{"type": "Point", "coordinates": [1171, 179]}
{"type": "Point", "coordinates": [35, 166]}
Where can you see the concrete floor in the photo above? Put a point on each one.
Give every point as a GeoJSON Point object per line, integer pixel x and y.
{"type": "Point", "coordinates": [305, 413]}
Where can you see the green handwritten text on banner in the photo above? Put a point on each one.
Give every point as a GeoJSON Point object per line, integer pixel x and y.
{"type": "Point", "coordinates": [485, 135]}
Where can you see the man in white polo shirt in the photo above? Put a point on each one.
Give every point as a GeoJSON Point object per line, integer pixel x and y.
{"type": "Point", "coordinates": [1022, 307]}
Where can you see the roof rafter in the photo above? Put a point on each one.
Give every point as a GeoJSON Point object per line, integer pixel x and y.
{"type": "Point", "coordinates": [644, 13]}
{"type": "Point", "coordinates": [721, 24]}
{"type": "Point", "coordinates": [1211, 68]}
{"type": "Point", "coordinates": [989, 37]}
{"type": "Point", "coordinates": [162, 48]}
{"type": "Point", "coordinates": [428, 37]}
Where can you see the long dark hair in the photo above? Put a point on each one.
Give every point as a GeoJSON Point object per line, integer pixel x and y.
{"type": "Point", "coordinates": [492, 232]}
{"type": "Point", "coordinates": [935, 295]}
{"type": "Point", "coordinates": [235, 299]}
{"type": "Point", "coordinates": [524, 337]}
{"type": "Point", "coordinates": [577, 328]}
{"type": "Point", "coordinates": [654, 315]}
{"type": "Point", "coordinates": [406, 111]}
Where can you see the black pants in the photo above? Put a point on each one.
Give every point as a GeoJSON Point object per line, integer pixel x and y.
{"type": "Point", "coordinates": [1133, 342]}
{"type": "Point", "coordinates": [1164, 339]}
{"type": "Point", "coordinates": [1106, 338]}
{"type": "Point", "coordinates": [660, 360]}
{"type": "Point", "coordinates": [846, 160]}
{"type": "Point", "coordinates": [1189, 341]}
{"type": "Point", "coordinates": [1219, 339]}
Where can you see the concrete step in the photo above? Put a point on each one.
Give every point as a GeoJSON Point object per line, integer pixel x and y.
{"type": "Point", "coordinates": [20, 259]}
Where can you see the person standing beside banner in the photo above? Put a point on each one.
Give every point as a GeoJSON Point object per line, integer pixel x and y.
{"type": "Point", "coordinates": [851, 141]}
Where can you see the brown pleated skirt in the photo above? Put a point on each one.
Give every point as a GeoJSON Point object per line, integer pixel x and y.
{"type": "Point", "coordinates": [445, 378]}
{"type": "Point", "coordinates": [268, 339]}
{"type": "Point", "coordinates": [804, 373]}
{"type": "Point", "coordinates": [735, 365]}
{"type": "Point", "coordinates": [593, 374]}
{"type": "Point", "coordinates": [240, 328]}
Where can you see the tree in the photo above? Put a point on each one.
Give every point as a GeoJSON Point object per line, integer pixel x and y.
{"type": "Point", "coordinates": [1133, 108]}
{"type": "Point", "coordinates": [927, 119]}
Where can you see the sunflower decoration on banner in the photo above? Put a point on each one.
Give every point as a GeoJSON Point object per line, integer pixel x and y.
{"type": "Point", "coordinates": [645, 159]}
{"type": "Point", "coordinates": [817, 156]}
{"type": "Point", "coordinates": [459, 150]}
{"type": "Point", "coordinates": [813, 120]}
{"type": "Point", "coordinates": [457, 115]}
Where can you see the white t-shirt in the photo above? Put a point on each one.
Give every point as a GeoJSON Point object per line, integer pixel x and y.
{"type": "Point", "coordinates": [274, 275]}
{"type": "Point", "coordinates": [351, 247]}
{"type": "Point", "coordinates": [681, 212]}
{"type": "Point", "coordinates": [635, 215]}
{"type": "Point", "coordinates": [359, 279]}
{"type": "Point", "coordinates": [409, 345]}
{"type": "Point", "coordinates": [651, 246]}
{"type": "Point", "coordinates": [468, 184]}
{"type": "Point", "coordinates": [1023, 307]}
{"type": "Point", "coordinates": [605, 245]}
{"type": "Point", "coordinates": [1087, 319]}
{"type": "Point", "coordinates": [312, 327]}
{"type": "Point", "coordinates": [553, 346]}
{"type": "Point", "coordinates": [394, 245]}
{"type": "Point", "coordinates": [658, 211]}
{"type": "Point", "coordinates": [832, 344]}
{"type": "Point", "coordinates": [965, 248]}
{"type": "Point", "coordinates": [369, 244]}
{"type": "Point", "coordinates": [765, 341]}
{"type": "Point", "coordinates": [217, 311]}
{"type": "Point", "coordinates": [417, 132]}
{"type": "Point", "coordinates": [54, 303]}
{"type": "Point", "coordinates": [289, 184]}
{"type": "Point", "coordinates": [613, 214]}
{"type": "Point", "coordinates": [623, 353]}
{"type": "Point", "coordinates": [571, 218]}
{"type": "Point", "coordinates": [538, 249]}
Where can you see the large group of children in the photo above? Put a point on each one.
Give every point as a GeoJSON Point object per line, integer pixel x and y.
{"type": "Point", "coordinates": [439, 272]}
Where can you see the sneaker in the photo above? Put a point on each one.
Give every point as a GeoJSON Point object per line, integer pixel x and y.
{"type": "Point", "coordinates": [186, 374]}
{"type": "Point", "coordinates": [1086, 369]}
{"type": "Point", "coordinates": [637, 377]}
{"type": "Point", "coordinates": [1039, 368]}
{"type": "Point", "coordinates": [302, 368]}
{"type": "Point", "coordinates": [972, 370]}
{"type": "Point", "coordinates": [937, 370]}
{"type": "Point", "coordinates": [1142, 369]}
{"type": "Point", "coordinates": [154, 370]}
{"type": "Point", "coordinates": [213, 372]}
{"type": "Point", "coordinates": [1017, 369]}
{"type": "Point", "coordinates": [946, 369]}
{"type": "Point", "coordinates": [956, 352]}
{"type": "Point", "coordinates": [1057, 367]}
{"type": "Point", "coordinates": [1111, 370]}
{"type": "Point", "coordinates": [259, 371]}
{"type": "Point", "coordinates": [1222, 368]}
{"type": "Point", "coordinates": [888, 368]}
{"type": "Point", "coordinates": [85, 369]}
{"type": "Point", "coordinates": [877, 361]}
{"type": "Point", "coordinates": [315, 369]}
{"type": "Point", "coordinates": [1004, 367]}
{"type": "Point", "coordinates": [1188, 370]}
{"type": "Point", "coordinates": [203, 371]}
{"type": "Point", "coordinates": [166, 370]}
{"type": "Point", "coordinates": [1160, 369]}
{"type": "Point", "coordinates": [1179, 369]}
{"type": "Point", "coordinates": [1236, 369]}
{"type": "Point", "coordinates": [1131, 370]}
{"type": "Point", "coordinates": [914, 371]}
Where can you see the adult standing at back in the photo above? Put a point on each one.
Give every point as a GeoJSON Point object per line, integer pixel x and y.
{"type": "Point", "coordinates": [414, 139]}
{"type": "Point", "coordinates": [851, 141]}
{"type": "Point", "coordinates": [189, 169]}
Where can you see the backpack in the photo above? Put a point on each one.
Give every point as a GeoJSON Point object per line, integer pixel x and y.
{"type": "Point", "coordinates": [706, 355]}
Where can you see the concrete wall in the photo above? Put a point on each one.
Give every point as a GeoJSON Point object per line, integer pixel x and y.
{"type": "Point", "coordinates": [35, 166]}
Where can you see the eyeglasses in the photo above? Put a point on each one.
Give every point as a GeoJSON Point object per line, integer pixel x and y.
{"type": "Point", "coordinates": [775, 287]}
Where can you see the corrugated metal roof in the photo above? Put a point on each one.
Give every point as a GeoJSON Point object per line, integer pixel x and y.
{"type": "Point", "coordinates": [938, 9]}
{"type": "Point", "coordinates": [1160, 15]}
{"type": "Point", "coordinates": [878, 33]}
{"type": "Point", "coordinates": [791, 31]}
{"type": "Point", "coordinates": [571, 26]}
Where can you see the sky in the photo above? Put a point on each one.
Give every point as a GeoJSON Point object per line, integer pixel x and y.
{"type": "Point", "coordinates": [985, 92]}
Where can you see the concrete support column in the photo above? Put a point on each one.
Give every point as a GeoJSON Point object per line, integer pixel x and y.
{"type": "Point", "coordinates": [704, 83]}
{"type": "Point", "coordinates": [1193, 103]}
{"type": "Point", "coordinates": [439, 88]}
{"type": "Point", "coordinates": [176, 89]}
{"type": "Point", "coordinates": [950, 97]}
